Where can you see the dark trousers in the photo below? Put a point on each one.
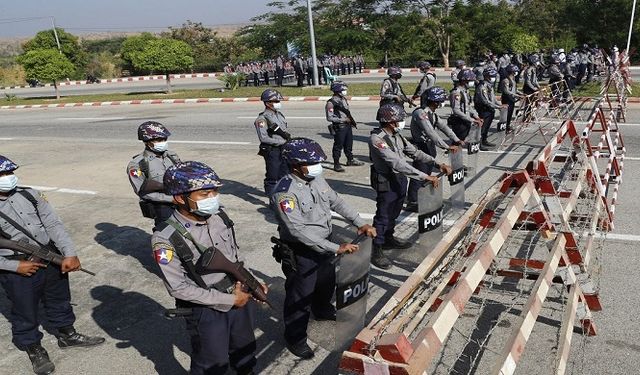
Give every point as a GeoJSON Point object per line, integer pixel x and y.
{"type": "Point", "coordinates": [280, 76]}
{"type": "Point", "coordinates": [256, 79]}
{"type": "Point", "coordinates": [48, 285]}
{"type": "Point", "coordinates": [582, 73]}
{"type": "Point", "coordinates": [222, 338]}
{"type": "Point", "coordinates": [343, 139]}
{"type": "Point", "coordinates": [487, 118]}
{"type": "Point", "coordinates": [300, 77]}
{"type": "Point", "coordinates": [388, 208]}
{"type": "Point", "coordinates": [275, 167]}
{"type": "Point", "coordinates": [311, 288]}
{"type": "Point", "coordinates": [162, 213]}
{"type": "Point", "coordinates": [414, 185]}
{"type": "Point", "coordinates": [510, 107]}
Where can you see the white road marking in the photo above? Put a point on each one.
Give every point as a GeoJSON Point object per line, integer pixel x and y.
{"type": "Point", "coordinates": [288, 117]}
{"type": "Point", "coordinates": [6, 139]}
{"type": "Point", "coordinates": [62, 190]}
{"type": "Point", "coordinates": [212, 142]}
{"type": "Point", "coordinates": [90, 118]}
{"type": "Point", "coordinates": [622, 237]}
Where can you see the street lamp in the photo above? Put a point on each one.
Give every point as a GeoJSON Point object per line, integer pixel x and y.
{"type": "Point", "coordinates": [313, 45]}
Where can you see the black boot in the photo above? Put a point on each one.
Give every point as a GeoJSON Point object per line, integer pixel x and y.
{"type": "Point", "coordinates": [378, 258]}
{"type": "Point", "coordinates": [336, 166]}
{"type": "Point", "coordinates": [354, 163]}
{"type": "Point", "coordinates": [394, 243]}
{"type": "Point", "coordinates": [69, 338]}
{"type": "Point", "coordinates": [487, 143]}
{"type": "Point", "coordinates": [39, 357]}
{"type": "Point", "coordinates": [411, 207]}
{"type": "Point", "coordinates": [301, 350]}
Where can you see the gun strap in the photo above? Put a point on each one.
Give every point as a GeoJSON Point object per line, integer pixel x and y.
{"type": "Point", "coordinates": [185, 254]}
{"type": "Point", "coordinates": [17, 226]}
{"type": "Point", "coordinates": [337, 105]}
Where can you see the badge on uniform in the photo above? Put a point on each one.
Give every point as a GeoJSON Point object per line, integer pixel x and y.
{"type": "Point", "coordinates": [163, 253]}
{"type": "Point", "coordinates": [287, 204]}
{"type": "Point", "coordinates": [381, 145]}
{"type": "Point", "coordinates": [135, 172]}
{"type": "Point", "coordinates": [260, 124]}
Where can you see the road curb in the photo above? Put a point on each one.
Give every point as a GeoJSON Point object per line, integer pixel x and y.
{"type": "Point", "coordinates": [209, 100]}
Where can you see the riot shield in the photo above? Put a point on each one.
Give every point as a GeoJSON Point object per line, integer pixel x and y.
{"type": "Point", "coordinates": [456, 180]}
{"type": "Point", "coordinates": [473, 147]}
{"type": "Point", "coordinates": [352, 288]}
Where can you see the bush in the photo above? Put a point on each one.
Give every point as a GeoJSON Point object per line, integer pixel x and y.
{"type": "Point", "coordinates": [12, 75]}
{"type": "Point", "coordinates": [233, 80]}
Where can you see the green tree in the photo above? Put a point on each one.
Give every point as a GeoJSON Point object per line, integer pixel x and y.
{"type": "Point", "coordinates": [132, 46]}
{"type": "Point", "coordinates": [164, 55]}
{"type": "Point", "coordinates": [47, 65]}
{"type": "Point", "coordinates": [69, 45]}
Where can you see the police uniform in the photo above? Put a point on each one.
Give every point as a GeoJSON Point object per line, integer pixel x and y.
{"type": "Point", "coordinates": [454, 75]}
{"type": "Point", "coordinates": [427, 81]}
{"type": "Point", "coordinates": [424, 123]}
{"type": "Point", "coordinates": [389, 178]}
{"type": "Point", "coordinates": [303, 208]}
{"type": "Point", "coordinates": [267, 122]}
{"type": "Point", "coordinates": [220, 333]}
{"type": "Point", "coordinates": [342, 126]}
{"type": "Point", "coordinates": [486, 103]}
{"type": "Point", "coordinates": [509, 92]}
{"type": "Point", "coordinates": [150, 166]}
{"type": "Point", "coordinates": [531, 83]}
{"type": "Point", "coordinates": [463, 113]}
{"type": "Point", "coordinates": [391, 92]}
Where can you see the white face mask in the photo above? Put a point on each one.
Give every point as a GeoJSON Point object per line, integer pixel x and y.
{"type": "Point", "coordinates": [277, 105]}
{"type": "Point", "coordinates": [471, 84]}
{"type": "Point", "coordinates": [343, 92]}
{"type": "Point", "coordinates": [207, 207]}
{"type": "Point", "coordinates": [8, 183]}
{"type": "Point", "coordinates": [314, 170]}
{"type": "Point", "coordinates": [441, 105]}
{"type": "Point", "coordinates": [493, 79]}
{"type": "Point", "coordinates": [160, 146]}
{"type": "Point", "coordinates": [400, 126]}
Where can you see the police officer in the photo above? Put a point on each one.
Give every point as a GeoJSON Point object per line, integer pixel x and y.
{"type": "Point", "coordinates": [427, 81]}
{"type": "Point", "coordinates": [338, 114]}
{"type": "Point", "coordinates": [463, 115]}
{"type": "Point", "coordinates": [302, 202]}
{"type": "Point", "coordinates": [221, 318]}
{"type": "Point", "coordinates": [25, 215]}
{"type": "Point", "coordinates": [460, 65]}
{"type": "Point", "coordinates": [555, 77]}
{"type": "Point", "coordinates": [146, 170]}
{"type": "Point", "coordinates": [484, 99]}
{"type": "Point", "coordinates": [531, 84]}
{"type": "Point", "coordinates": [271, 127]}
{"type": "Point", "coordinates": [424, 122]}
{"type": "Point", "coordinates": [509, 93]}
{"type": "Point", "coordinates": [389, 173]}
{"type": "Point", "coordinates": [391, 91]}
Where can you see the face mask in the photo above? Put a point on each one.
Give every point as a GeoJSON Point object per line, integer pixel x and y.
{"type": "Point", "coordinates": [441, 105]}
{"type": "Point", "coordinates": [277, 105]}
{"type": "Point", "coordinates": [160, 146]}
{"type": "Point", "coordinates": [8, 183]}
{"type": "Point", "coordinates": [493, 79]}
{"type": "Point", "coordinates": [207, 207]}
{"type": "Point", "coordinates": [400, 126]}
{"type": "Point", "coordinates": [471, 84]}
{"type": "Point", "coordinates": [538, 63]}
{"type": "Point", "coordinates": [343, 92]}
{"type": "Point", "coordinates": [314, 170]}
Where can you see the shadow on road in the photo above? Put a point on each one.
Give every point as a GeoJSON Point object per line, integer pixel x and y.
{"type": "Point", "coordinates": [128, 241]}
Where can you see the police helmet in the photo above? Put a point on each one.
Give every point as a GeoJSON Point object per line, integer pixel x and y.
{"type": "Point", "coordinates": [190, 176]}
{"type": "Point", "coordinates": [394, 71]}
{"type": "Point", "coordinates": [303, 151]}
{"type": "Point", "coordinates": [424, 65]}
{"type": "Point", "coordinates": [460, 64]}
{"type": "Point", "coordinates": [434, 94]}
{"type": "Point", "coordinates": [338, 86]}
{"type": "Point", "coordinates": [466, 75]}
{"type": "Point", "coordinates": [555, 59]}
{"type": "Point", "coordinates": [512, 69]}
{"type": "Point", "coordinates": [571, 58]}
{"type": "Point", "coordinates": [490, 73]}
{"type": "Point", "coordinates": [391, 112]}
{"type": "Point", "coordinates": [271, 95]}
{"type": "Point", "coordinates": [6, 165]}
{"type": "Point", "coordinates": [533, 59]}
{"type": "Point", "coordinates": [152, 130]}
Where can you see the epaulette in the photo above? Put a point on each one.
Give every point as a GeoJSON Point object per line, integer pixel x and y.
{"type": "Point", "coordinates": [376, 131]}
{"type": "Point", "coordinates": [283, 185]}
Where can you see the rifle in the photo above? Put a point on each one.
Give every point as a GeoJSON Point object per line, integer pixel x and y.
{"type": "Point", "coordinates": [22, 246]}
{"type": "Point", "coordinates": [214, 261]}
{"type": "Point", "coordinates": [347, 112]}
{"type": "Point", "coordinates": [151, 186]}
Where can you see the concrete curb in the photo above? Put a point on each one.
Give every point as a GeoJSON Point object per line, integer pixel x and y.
{"type": "Point", "coordinates": [209, 100]}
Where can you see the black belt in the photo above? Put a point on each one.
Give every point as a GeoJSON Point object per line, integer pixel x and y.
{"type": "Point", "coordinates": [226, 285]}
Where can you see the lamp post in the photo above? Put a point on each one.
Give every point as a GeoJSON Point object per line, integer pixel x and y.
{"type": "Point", "coordinates": [313, 45]}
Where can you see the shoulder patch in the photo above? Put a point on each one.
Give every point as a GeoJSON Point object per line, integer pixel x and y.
{"type": "Point", "coordinates": [163, 252]}
{"type": "Point", "coordinates": [423, 115]}
{"type": "Point", "coordinates": [44, 197]}
{"type": "Point", "coordinates": [381, 145]}
{"type": "Point", "coordinates": [283, 185]}
{"type": "Point", "coordinates": [135, 172]}
{"type": "Point", "coordinates": [287, 203]}
{"type": "Point", "coordinates": [260, 123]}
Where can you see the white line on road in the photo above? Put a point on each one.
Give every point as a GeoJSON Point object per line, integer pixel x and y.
{"type": "Point", "coordinates": [622, 237]}
{"type": "Point", "coordinates": [288, 117]}
{"type": "Point", "coordinates": [212, 142]}
{"type": "Point", "coordinates": [90, 118]}
{"type": "Point", "coordinates": [62, 190]}
{"type": "Point", "coordinates": [6, 139]}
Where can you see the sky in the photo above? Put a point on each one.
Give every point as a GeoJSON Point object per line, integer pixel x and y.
{"type": "Point", "coordinates": [85, 16]}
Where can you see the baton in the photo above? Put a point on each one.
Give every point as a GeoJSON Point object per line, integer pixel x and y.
{"type": "Point", "coordinates": [178, 312]}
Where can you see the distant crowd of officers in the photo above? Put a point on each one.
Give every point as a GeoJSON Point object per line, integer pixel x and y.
{"type": "Point", "coordinates": [297, 69]}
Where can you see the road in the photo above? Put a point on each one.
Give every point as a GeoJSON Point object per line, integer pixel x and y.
{"type": "Point", "coordinates": [409, 81]}
{"type": "Point", "coordinates": [78, 156]}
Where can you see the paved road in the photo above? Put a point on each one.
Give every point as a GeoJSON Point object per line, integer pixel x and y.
{"type": "Point", "coordinates": [79, 155]}
{"type": "Point", "coordinates": [409, 81]}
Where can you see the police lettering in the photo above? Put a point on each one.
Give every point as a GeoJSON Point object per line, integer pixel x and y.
{"type": "Point", "coordinates": [430, 221]}
{"type": "Point", "coordinates": [352, 292]}
{"type": "Point", "coordinates": [473, 148]}
{"type": "Point", "coordinates": [456, 177]}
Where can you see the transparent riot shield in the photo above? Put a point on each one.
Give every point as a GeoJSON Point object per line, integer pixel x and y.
{"type": "Point", "coordinates": [473, 148]}
{"type": "Point", "coordinates": [456, 180]}
{"type": "Point", "coordinates": [352, 288]}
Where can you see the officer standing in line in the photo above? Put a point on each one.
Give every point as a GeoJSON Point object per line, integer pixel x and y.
{"type": "Point", "coordinates": [555, 76]}
{"type": "Point", "coordinates": [389, 172]}
{"type": "Point", "coordinates": [271, 127]}
{"type": "Point", "coordinates": [463, 115]}
{"type": "Point", "coordinates": [424, 122]}
{"type": "Point", "coordinates": [338, 114]}
{"type": "Point", "coordinates": [484, 99]}
{"type": "Point", "coordinates": [146, 170]}
{"type": "Point", "coordinates": [427, 81]}
{"type": "Point", "coordinates": [391, 91]}
{"type": "Point", "coordinates": [531, 84]}
{"type": "Point", "coordinates": [25, 215]}
{"type": "Point", "coordinates": [221, 318]}
{"type": "Point", "coordinates": [509, 93]}
{"type": "Point", "coordinates": [302, 202]}
{"type": "Point", "coordinates": [460, 65]}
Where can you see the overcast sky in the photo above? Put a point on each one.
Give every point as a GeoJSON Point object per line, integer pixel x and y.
{"type": "Point", "coordinates": [82, 16]}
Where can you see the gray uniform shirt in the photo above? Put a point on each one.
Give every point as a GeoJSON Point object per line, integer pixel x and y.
{"type": "Point", "coordinates": [212, 232]}
{"type": "Point", "coordinates": [484, 97]}
{"type": "Point", "coordinates": [428, 80]}
{"type": "Point", "coordinates": [391, 90]}
{"type": "Point", "coordinates": [454, 75]}
{"type": "Point", "coordinates": [333, 115]}
{"type": "Point", "coordinates": [461, 104]}
{"type": "Point", "coordinates": [388, 152]}
{"type": "Point", "coordinates": [531, 79]}
{"type": "Point", "coordinates": [43, 224]}
{"type": "Point", "coordinates": [157, 164]}
{"type": "Point", "coordinates": [270, 120]}
{"type": "Point", "coordinates": [303, 209]}
{"type": "Point", "coordinates": [423, 127]}
{"type": "Point", "coordinates": [554, 73]}
{"type": "Point", "coordinates": [509, 90]}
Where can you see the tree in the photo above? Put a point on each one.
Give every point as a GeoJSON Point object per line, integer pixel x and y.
{"type": "Point", "coordinates": [164, 55]}
{"type": "Point", "coordinates": [47, 65]}
{"type": "Point", "coordinates": [69, 45]}
{"type": "Point", "coordinates": [134, 45]}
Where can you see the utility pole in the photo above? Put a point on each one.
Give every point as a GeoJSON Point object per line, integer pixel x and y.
{"type": "Point", "coordinates": [313, 45]}
{"type": "Point", "coordinates": [55, 33]}
{"type": "Point", "coordinates": [633, 13]}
